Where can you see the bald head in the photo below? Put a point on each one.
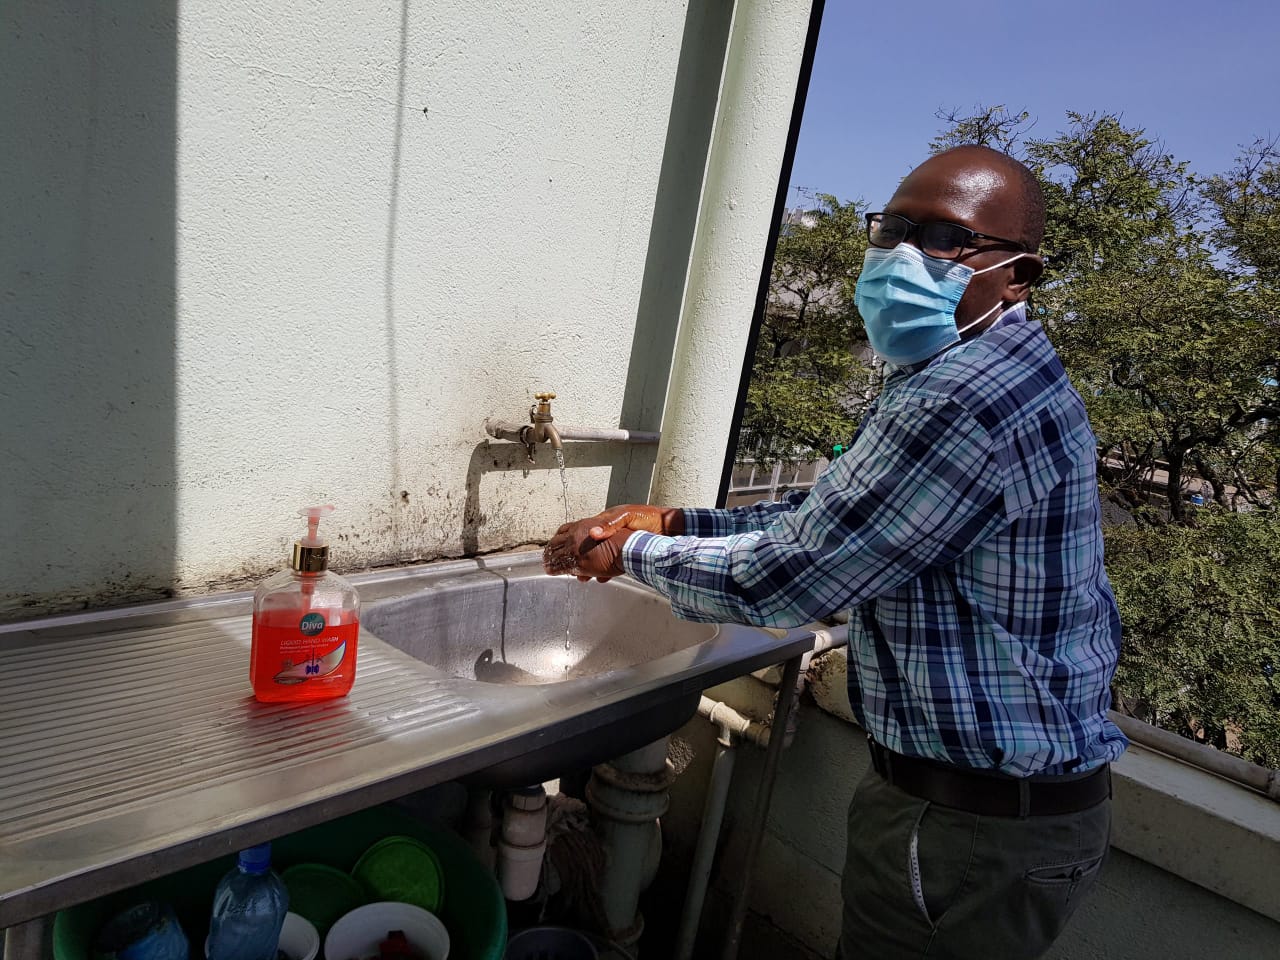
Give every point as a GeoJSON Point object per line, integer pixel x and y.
{"type": "Point", "coordinates": [990, 186]}
{"type": "Point", "coordinates": [1000, 200]}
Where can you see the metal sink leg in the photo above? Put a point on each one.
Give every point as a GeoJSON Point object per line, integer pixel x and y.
{"type": "Point", "coordinates": [26, 940]}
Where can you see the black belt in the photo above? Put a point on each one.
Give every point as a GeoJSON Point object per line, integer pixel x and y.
{"type": "Point", "coordinates": [990, 795]}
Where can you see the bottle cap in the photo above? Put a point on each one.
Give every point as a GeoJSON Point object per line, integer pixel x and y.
{"type": "Point", "coordinates": [311, 553]}
{"type": "Point", "coordinates": [256, 859]}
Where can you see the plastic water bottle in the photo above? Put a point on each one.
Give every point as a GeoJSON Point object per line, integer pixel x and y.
{"type": "Point", "coordinates": [248, 910]}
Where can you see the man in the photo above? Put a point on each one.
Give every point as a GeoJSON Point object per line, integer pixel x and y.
{"type": "Point", "coordinates": [962, 528]}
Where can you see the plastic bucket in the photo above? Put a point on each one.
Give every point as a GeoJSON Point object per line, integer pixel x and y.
{"type": "Point", "coordinates": [474, 914]}
{"type": "Point", "coordinates": [358, 934]}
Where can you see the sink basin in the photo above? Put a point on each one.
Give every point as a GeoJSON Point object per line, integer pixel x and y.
{"type": "Point", "coordinates": [505, 629]}
{"type": "Point", "coordinates": [521, 627]}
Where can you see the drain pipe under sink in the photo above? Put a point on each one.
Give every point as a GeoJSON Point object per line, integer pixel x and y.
{"type": "Point", "coordinates": [626, 797]}
{"type": "Point", "coordinates": [523, 842]}
{"type": "Point", "coordinates": [478, 826]}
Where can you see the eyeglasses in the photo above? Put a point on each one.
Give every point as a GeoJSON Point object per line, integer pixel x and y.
{"type": "Point", "coordinates": [946, 241]}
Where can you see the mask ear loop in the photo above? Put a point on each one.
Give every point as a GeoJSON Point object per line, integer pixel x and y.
{"type": "Point", "coordinates": [1003, 263]}
{"type": "Point", "coordinates": [974, 323]}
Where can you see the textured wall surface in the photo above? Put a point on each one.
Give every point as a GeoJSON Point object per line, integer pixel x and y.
{"type": "Point", "coordinates": [260, 256]}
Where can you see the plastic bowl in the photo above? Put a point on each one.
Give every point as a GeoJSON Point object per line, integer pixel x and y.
{"type": "Point", "coordinates": [357, 935]}
{"type": "Point", "coordinates": [403, 870]}
{"type": "Point", "coordinates": [322, 894]}
{"type": "Point", "coordinates": [299, 940]}
{"type": "Point", "coordinates": [474, 910]}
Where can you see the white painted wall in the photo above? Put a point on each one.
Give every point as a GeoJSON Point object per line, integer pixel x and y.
{"type": "Point", "coordinates": [265, 255]}
{"type": "Point", "coordinates": [431, 246]}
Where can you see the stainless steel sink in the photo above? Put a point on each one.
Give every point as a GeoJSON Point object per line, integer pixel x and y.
{"type": "Point", "coordinates": [133, 747]}
{"type": "Point", "coordinates": [513, 625]}
{"type": "Point", "coordinates": [506, 623]}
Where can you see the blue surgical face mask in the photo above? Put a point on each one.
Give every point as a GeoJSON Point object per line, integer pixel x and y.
{"type": "Point", "coordinates": [908, 302]}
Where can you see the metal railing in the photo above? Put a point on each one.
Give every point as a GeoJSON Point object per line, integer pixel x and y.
{"type": "Point", "coordinates": [752, 482]}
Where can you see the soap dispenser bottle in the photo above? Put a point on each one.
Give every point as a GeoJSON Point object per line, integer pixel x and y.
{"type": "Point", "coordinates": [306, 622]}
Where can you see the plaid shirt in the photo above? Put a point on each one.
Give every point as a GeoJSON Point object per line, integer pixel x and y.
{"type": "Point", "coordinates": [962, 527]}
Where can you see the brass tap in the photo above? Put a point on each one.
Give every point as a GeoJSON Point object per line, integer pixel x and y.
{"type": "Point", "coordinates": [543, 407]}
{"type": "Point", "coordinates": [541, 427]}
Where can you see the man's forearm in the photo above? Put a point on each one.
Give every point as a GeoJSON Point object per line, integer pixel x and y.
{"type": "Point", "coordinates": [712, 522]}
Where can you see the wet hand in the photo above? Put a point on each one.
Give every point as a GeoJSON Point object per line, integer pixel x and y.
{"type": "Point", "coordinates": [638, 516]}
{"type": "Point", "coordinates": [586, 549]}
{"type": "Point", "coordinates": [592, 547]}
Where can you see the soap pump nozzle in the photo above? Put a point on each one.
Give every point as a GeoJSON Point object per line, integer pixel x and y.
{"type": "Point", "coordinates": [311, 553]}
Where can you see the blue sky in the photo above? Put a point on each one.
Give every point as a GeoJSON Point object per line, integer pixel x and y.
{"type": "Point", "coordinates": [1202, 77]}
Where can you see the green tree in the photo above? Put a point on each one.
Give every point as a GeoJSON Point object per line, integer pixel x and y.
{"type": "Point", "coordinates": [808, 380]}
{"type": "Point", "coordinates": [1201, 619]}
{"type": "Point", "coordinates": [1171, 361]}
{"type": "Point", "coordinates": [993, 127]}
{"type": "Point", "coordinates": [1247, 201]}
{"type": "Point", "coordinates": [1172, 347]}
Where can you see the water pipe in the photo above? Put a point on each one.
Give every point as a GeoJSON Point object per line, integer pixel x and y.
{"type": "Point", "coordinates": [26, 941]}
{"type": "Point", "coordinates": [760, 813]}
{"type": "Point", "coordinates": [542, 428]}
{"type": "Point", "coordinates": [712, 818]}
{"type": "Point", "coordinates": [523, 842]}
{"type": "Point", "coordinates": [733, 723]}
{"type": "Point", "coordinates": [1236, 769]}
{"type": "Point", "coordinates": [734, 727]}
{"type": "Point", "coordinates": [828, 636]}
{"type": "Point", "coordinates": [478, 826]}
{"type": "Point", "coordinates": [515, 432]}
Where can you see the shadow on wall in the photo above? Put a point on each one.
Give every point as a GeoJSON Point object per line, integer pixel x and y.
{"type": "Point", "coordinates": [87, 291]}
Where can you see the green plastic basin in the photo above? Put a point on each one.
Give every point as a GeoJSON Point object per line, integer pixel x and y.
{"type": "Point", "coordinates": [474, 911]}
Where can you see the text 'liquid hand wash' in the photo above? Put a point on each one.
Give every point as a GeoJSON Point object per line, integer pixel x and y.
{"type": "Point", "coordinates": [306, 621]}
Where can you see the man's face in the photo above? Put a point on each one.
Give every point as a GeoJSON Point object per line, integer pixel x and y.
{"type": "Point", "coordinates": [956, 188]}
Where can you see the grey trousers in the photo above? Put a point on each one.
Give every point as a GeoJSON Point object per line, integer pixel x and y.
{"type": "Point", "coordinates": [922, 880]}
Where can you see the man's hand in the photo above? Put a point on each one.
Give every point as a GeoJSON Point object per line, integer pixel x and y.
{"type": "Point", "coordinates": [574, 549]}
{"type": "Point", "coordinates": [593, 547]}
{"type": "Point", "coordinates": [638, 516]}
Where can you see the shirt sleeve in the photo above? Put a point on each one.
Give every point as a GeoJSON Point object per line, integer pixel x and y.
{"type": "Point", "coordinates": [701, 522]}
{"type": "Point", "coordinates": [918, 488]}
